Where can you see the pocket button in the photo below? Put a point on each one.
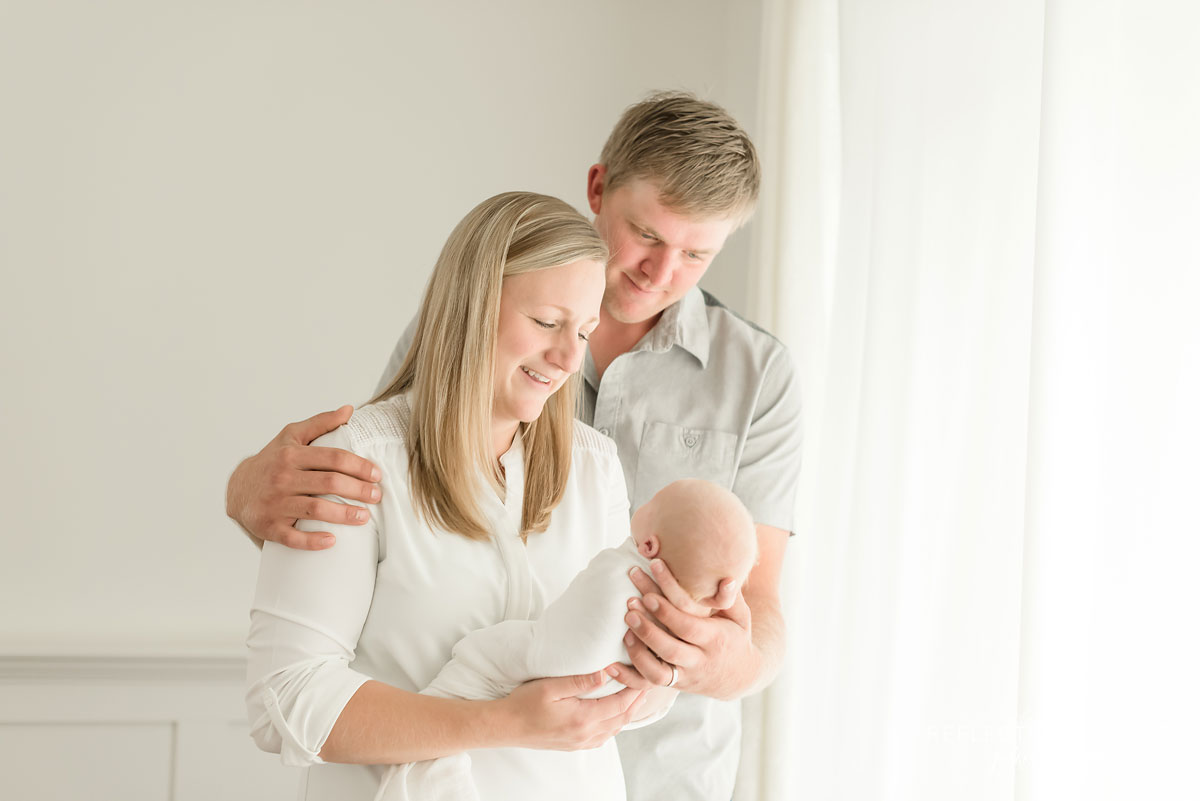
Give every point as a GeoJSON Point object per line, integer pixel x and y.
{"type": "Point", "coordinates": [690, 440]}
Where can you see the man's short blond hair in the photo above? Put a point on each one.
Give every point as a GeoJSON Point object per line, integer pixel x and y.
{"type": "Point", "coordinates": [702, 161]}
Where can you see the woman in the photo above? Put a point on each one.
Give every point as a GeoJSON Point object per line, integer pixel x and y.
{"type": "Point", "coordinates": [478, 444]}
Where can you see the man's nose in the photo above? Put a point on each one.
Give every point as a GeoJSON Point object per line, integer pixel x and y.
{"type": "Point", "coordinates": [658, 266]}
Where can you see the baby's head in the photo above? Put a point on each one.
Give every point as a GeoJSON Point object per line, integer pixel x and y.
{"type": "Point", "coordinates": [702, 532]}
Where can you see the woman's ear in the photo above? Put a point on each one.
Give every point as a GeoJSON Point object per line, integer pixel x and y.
{"type": "Point", "coordinates": [648, 546]}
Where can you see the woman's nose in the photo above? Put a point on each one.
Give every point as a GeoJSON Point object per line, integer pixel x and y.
{"type": "Point", "coordinates": [567, 353]}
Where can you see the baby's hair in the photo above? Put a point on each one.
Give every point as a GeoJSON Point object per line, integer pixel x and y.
{"type": "Point", "coordinates": [705, 535]}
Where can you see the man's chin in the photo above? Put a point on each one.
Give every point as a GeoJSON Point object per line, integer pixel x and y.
{"type": "Point", "coordinates": [629, 313]}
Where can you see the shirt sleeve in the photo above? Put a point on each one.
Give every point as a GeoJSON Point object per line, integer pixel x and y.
{"type": "Point", "coordinates": [308, 612]}
{"type": "Point", "coordinates": [396, 360]}
{"type": "Point", "coordinates": [768, 472]}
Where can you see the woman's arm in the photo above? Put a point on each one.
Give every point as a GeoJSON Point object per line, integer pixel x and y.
{"type": "Point", "coordinates": [382, 724]}
{"type": "Point", "coordinates": [305, 702]}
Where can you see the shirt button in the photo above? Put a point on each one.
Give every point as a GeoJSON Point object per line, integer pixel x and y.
{"type": "Point", "coordinates": [604, 431]}
{"type": "Point", "coordinates": [690, 440]}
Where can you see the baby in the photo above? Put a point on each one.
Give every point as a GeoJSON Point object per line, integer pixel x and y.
{"type": "Point", "coordinates": [700, 530]}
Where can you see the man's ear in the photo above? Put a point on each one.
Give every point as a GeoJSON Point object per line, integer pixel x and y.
{"type": "Point", "coordinates": [648, 546]}
{"type": "Point", "coordinates": [595, 187]}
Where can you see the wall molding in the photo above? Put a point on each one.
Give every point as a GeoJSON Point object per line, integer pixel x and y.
{"type": "Point", "coordinates": [154, 723]}
{"type": "Point", "coordinates": [171, 667]}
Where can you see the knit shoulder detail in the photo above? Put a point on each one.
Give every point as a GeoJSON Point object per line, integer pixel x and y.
{"type": "Point", "coordinates": [385, 421]}
{"type": "Point", "coordinates": [590, 439]}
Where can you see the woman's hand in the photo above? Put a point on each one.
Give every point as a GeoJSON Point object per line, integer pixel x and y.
{"type": "Point", "coordinates": [548, 714]}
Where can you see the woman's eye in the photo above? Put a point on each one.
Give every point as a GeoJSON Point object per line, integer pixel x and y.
{"type": "Point", "coordinates": [543, 323]}
{"type": "Point", "coordinates": [583, 336]}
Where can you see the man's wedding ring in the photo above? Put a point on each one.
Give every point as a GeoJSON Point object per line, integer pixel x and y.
{"type": "Point", "coordinates": [674, 676]}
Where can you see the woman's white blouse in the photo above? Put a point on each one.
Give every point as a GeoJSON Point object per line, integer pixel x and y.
{"type": "Point", "coordinates": [391, 598]}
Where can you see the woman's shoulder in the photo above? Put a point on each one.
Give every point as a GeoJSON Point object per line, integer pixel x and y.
{"type": "Point", "coordinates": [372, 426]}
{"type": "Point", "coordinates": [589, 442]}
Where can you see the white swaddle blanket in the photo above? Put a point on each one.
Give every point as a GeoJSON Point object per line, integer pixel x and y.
{"type": "Point", "coordinates": [580, 632]}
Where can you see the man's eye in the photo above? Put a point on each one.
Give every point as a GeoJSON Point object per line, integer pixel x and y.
{"type": "Point", "coordinates": [583, 336]}
{"type": "Point", "coordinates": [649, 237]}
{"type": "Point", "coordinates": [693, 256]}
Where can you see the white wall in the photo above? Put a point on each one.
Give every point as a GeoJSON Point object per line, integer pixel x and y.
{"type": "Point", "coordinates": [188, 194]}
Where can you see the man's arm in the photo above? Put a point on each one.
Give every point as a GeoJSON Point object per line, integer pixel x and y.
{"type": "Point", "coordinates": [733, 653]}
{"type": "Point", "coordinates": [270, 491]}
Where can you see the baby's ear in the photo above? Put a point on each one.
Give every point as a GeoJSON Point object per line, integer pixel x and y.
{"type": "Point", "coordinates": [648, 546]}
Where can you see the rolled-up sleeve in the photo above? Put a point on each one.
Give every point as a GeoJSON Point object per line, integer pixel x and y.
{"type": "Point", "coordinates": [308, 612]}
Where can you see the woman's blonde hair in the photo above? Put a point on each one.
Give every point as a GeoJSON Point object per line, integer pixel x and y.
{"type": "Point", "coordinates": [449, 370]}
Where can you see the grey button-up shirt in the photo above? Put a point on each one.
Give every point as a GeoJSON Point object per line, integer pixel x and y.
{"type": "Point", "coordinates": [705, 394]}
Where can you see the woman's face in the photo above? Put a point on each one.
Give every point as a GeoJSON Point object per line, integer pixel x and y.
{"type": "Point", "coordinates": [545, 319]}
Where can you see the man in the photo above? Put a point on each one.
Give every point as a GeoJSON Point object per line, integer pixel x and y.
{"type": "Point", "coordinates": [685, 388]}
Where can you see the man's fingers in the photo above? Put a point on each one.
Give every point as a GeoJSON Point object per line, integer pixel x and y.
{"type": "Point", "coordinates": [306, 507]}
{"type": "Point", "coordinates": [306, 431]}
{"type": "Point", "coordinates": [663, 583]}
{"type": "Point", "coordinates": [336, 460]}
{"type": "Point", "coordinates": [653, 670]}
{"type": "Point", "coordinates": [739, 612]}
{"type": "Point", "coordinates": [315, 482]}
{"type": "Point", "coordinates": [643, 582]}
{"type": "Point", "coordinates": [671, 589]}
{"type": "Point", "coordinates": [680, 625]}
{"type": "Point", "coordinates": [727, 593]}
{"type": "Point", "coordinates": [665, 646]}
{"type": "Point", "coordinates": [300, 540]}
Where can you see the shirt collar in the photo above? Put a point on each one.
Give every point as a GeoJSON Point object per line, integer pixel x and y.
{"type": "Point", "coordinates": [683, 323]}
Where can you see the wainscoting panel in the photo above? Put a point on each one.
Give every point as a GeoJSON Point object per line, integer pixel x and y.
{"type": "Point", "coordinates": [131, 728]}
{"type": "Point", "coordinates": [86, 760]}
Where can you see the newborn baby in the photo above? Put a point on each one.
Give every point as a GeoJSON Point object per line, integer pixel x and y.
{"type": "Point", "coordinates": [700, 530]}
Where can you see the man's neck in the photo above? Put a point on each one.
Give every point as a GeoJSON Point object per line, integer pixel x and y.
{"type": "Point", "coordinates": [612, 338]}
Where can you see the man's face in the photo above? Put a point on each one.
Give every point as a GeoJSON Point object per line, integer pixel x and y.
{"type": "Point", "coordinates": [657, 255]}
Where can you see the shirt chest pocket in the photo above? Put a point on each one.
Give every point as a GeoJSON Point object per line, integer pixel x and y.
{"type": "Point", "coordinates": [671, 452]}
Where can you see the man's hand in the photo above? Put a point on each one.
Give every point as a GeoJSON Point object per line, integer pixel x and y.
{"type": "Point", "coordinates": [547, 713]}
{"type": "Point", "coordinates": [712, 655]}
{"type": "Point", "coordinates": [271, 490]}
{"type": "Point", "coordinates": [722, 656]}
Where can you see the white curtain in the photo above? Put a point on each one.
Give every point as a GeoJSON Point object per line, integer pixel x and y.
{"type": "Point", "coordinates": [979, 238]}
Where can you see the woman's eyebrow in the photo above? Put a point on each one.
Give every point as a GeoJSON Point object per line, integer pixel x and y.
{"type": "Point", "coordinates": [565, 311]}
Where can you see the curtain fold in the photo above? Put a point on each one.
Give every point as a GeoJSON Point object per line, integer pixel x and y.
{"type": "Point", "coordinates": [976, 239]}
